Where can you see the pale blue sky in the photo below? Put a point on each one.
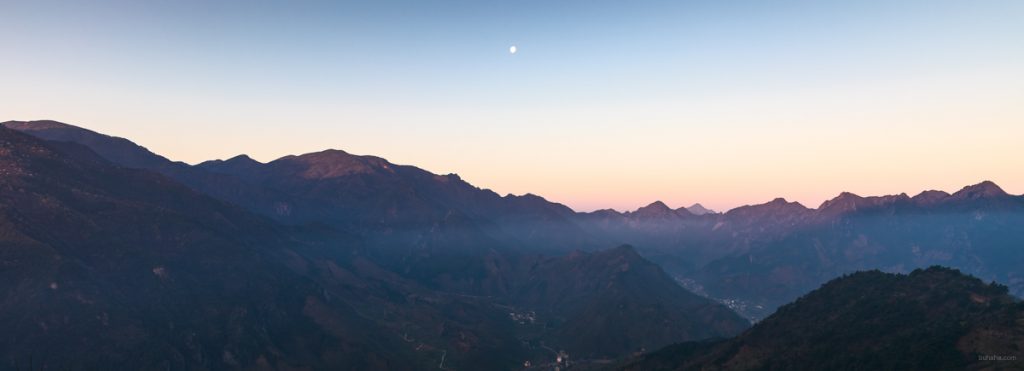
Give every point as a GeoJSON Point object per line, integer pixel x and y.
{"type": "Point", "coordinates": [606, 104]}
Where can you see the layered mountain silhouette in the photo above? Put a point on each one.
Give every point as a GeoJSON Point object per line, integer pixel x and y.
{"type": "Point", "coordinates": [698, 209]}
{"type": "Point", "coordinates": [457, 274]}
{"type": "Point", "coordinates": [118, 258]}
{"type": "Point", "coordinates": [932, 319]}
{"type": "Point", "coordinates": [763, 254]}
{"type": "Point", "coordinates": [758, 257]}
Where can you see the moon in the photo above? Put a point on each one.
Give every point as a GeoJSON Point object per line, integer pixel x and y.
{"type": "Point", "coordinates": [512, 49]}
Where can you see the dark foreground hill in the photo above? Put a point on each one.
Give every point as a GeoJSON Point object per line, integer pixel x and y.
{"type": "Point", "coordinates": [932, 319]}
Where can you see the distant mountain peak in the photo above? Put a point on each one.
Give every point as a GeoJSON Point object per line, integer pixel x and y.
{"type": "Point", "coordinates": [332, 163]}
{"type": "Point", "coordinates": [36, 125]}
{"type": "Point", "coordinates": [606, 213]}
{"type": "Point", "coordinates": [331, 151]}
{"type": "Point", "coordinates": [774, 207]}
{"type": "Point", "coordinates": [656, 209]}
{"type": "Point", "coordinates": [235, 165]}
{"type": "Point", "coordinates": [529, 197]}
{"type": "Point", "coordinates": [777, 203]}
{"type": "Point", "coordinates": [657, 205]}
{"type": "Point", "coordinates": [849, 202]}
{"type": "Point", "coordinates": [778, 209]}
{"type": "Point", "coordinates": [782, 202]}
{"type": "Point", "coordinates": [985, 189]}
{"type": "Point", "coordinates": [698, 209]}
{"type": "Point", "coordinates": [845, 201]}
{"type": "Point", "coordinates": [930, 197]}
{"type": "Point", "coordinates": [327, 154]}
{"type": "Point", "coordinates": [242, 158]}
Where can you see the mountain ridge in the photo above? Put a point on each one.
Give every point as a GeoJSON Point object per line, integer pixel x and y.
{"type": "Point", "coordinates": [55, 130]}
{"type": "Point", "coordinates": [935, 318]}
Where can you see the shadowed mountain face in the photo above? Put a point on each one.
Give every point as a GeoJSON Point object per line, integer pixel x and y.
{"type": "Point", "coordinates": [601, 298]}
{"type": "Point", "coordinates": [930, 319]}
{"type": "Point", "coordinates": [109, 265]}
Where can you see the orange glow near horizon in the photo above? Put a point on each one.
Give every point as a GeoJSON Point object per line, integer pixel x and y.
{"type": "Point", "coordinates": [604, 105]}
{"type": "Point", "coordinates": [877, 141]}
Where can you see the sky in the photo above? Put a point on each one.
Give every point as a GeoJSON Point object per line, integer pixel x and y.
{"type": "Point", "coordinates": [605, 104]}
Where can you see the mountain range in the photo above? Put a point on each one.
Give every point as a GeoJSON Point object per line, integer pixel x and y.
{"type": "Point", "coordinates": [341, 259]}
{"type": "Point", "coordinates": [174, 277]}
{"type": "Point", "coordinates": [328, 187]}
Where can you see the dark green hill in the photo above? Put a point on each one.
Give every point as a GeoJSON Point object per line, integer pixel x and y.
{"type": "Point", "coordinates": [933, 319]}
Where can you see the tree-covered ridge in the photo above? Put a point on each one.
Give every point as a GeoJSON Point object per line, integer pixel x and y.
{"type": "Point", "coordinates": [935, 318]}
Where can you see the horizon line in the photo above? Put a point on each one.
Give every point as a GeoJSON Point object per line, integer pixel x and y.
{"type": "Point", "coordinates": [510, 194]}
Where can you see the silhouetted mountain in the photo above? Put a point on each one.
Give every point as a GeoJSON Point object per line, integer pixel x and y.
{"type": "Point", "coordinates": [657, 210]}
{"type": "Point", "coordinates": [928, 198]}
{"type": "Point", "coordinates": [238, 165]}
{"type": "Point", "coordinates": [848, 202]}
{"type": "Point", "coordinates": [115, 149]}
{"type": "Point", "coordinates": [698, 209]}
{"type": "Point", "coordinates": [774, 213]}
{"type": "Point", "coordinates": [934, 319]}
{"type": "Point", "coordinates": [983, 190]}
{"type": "Point", "coordinates": [982, 197]}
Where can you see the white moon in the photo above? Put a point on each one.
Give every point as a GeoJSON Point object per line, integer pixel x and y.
{"type": "Point", "coordinates": [512, 49]}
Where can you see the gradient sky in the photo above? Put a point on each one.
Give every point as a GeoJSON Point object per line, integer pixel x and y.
{"type": "Point", "coordinates": [606, 104]}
